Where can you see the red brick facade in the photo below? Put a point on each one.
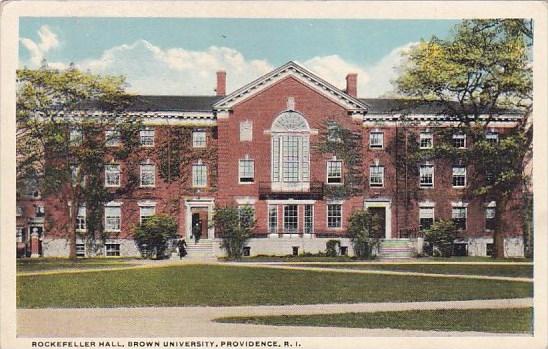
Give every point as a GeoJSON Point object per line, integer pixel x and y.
{"type": "Point", "coordinates": [259, 106]}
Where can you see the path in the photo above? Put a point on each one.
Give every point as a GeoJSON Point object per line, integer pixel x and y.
{"type": "Point", "coordinates": [198, 321]}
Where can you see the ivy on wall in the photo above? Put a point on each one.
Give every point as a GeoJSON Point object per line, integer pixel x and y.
{"type": "Point", "coordinates": [345, 145]}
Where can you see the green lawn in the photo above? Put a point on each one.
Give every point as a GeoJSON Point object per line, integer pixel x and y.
{"type": "Point", "coordinates": [40, 264]}
{"type": "Point", "coordinates": [466, 269]}
{"type": "Point", "coordinates": [227, 285]}
{"type": "Point", "coordinates": [301, 258]}
{"type": "Point", "coordinates": [514, 320]}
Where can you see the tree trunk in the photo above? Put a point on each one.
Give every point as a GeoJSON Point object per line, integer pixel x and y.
{"type": "Point", "coordinates": [498, 234]}
{"type": "Point", "coordinates": [73, 213]}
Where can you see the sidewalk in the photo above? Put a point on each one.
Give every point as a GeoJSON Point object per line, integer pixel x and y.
{"type": "Point", "coordinates": [198, 321]}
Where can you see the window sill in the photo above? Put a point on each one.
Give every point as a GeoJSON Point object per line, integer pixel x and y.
{"type": "Point", "coordinates": [112, 186]}
{"type": "Point", "coordinates": [245, 183]}
{"type": "Point", "coordinates": [334, 184]}
{"type": "Point", "coordinates": [147, 186]}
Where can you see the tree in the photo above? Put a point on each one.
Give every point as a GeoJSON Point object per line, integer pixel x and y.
{"type": "Point", "coordinates": [62, 142]}
{"type": "Point", "coordinates": [364, 230]}
{"type": "Point", "coordinates": [234, 225]}
{"type": "Point", "coordinates": [482, 72]}
{"type": "Point", "coordinates": [441, 236]}
{"type": "Point", "coordinates": [154, 234]}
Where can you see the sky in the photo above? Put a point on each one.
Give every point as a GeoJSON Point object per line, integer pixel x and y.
{"type": "Point", "coordinates": [179, 56]}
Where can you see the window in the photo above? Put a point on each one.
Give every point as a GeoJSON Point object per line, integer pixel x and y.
{"type": "Point", "coordinates": [290, 151]}
{"type": "Point", "coordinates": [198, 139]}
{"type": "Point", "coordinates": [147, 137]}
{"type": "Point", "coordinates": [246, 131]}
{"type": "Point", "coordinates": [459, 217]}
{"type": "Point", "coordinates": [376, 176]}
{"type": "Point", "coordinates": [40, 211]}
{"type": "Point", "coordinates": [246, 214]}
{"type": "Point", "coordinates": [426, 217]}
{"type": "Point", "coordinates": [148, 175]}
{"type": "Point", "coordinates": [81, 219]}
{"type": "Point", "coordinates": [291, 219]}
{"type": "Point", "coordinates": [344, 250]}
{"type": "Point", "coordinates": [272, 219]}
{"type": "Point", "coordinates": [459, 176]}
{"type": "Point", "coordinates": [459, 140]}
{"type": "Point", "coordinates": [19, 234]}
{"type": "Point", "coordinates": [308, 219]}
{"type": "Point", "coordinates": [199, 175]}
{"type": "Point", "coordinates": [75, 136]}
{"type": "Point", "coordinates": [426, 173]}
{"type": "Point", "coordinates": [112, 138]}
{"type": "Point", "coordinates": [295, 250]}
{"type": "Point", "coordinates": [247, 251]}
{"type": "Point", "coordinates": [334, 216]}
{"type": "Point", "coordinates": [291, 159]}
{"type": "Point", "coordinates": [376, 140]}
{"type": "Point", "coordinates": [112, 175]}
{"type": "Point", "coordinates": [426, 140]}
{"type": "Point", "coordinates": [490, 215]}
{"type": "Point", "coordinates": [113, 218]}
{"type": "Point", "coordinates": [19, 211]}
{"type": "Point", "coordinates": [334, 172]}
{"type": "Point", "coordinates": [75, 175]}
{"type": "Point", "coordinates": [492, 137]}
{"type": "Point", "coordinates": [489, 249]}
{"type": "Point", "coordinates": [146, 212]}
{"type": "Point", "coordinates": [247, 171]}
{"type": "Point", "coordinates": [80, 250]}
{"type": "Point", "coordinates": [112, 250]}
{"type": "Point", "coordinates": [333, 133]}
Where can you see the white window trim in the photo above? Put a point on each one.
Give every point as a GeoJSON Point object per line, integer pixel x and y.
{"type": "Point", "coordinates": [371, 146]}
{"type": "Point", "coordinates": [200, 163]}
{"type": "Point", "coordinates": [118, 142]}
{"type": "Point", "coordinates": [141, 207]}
{"type": "Point", "coordinates": [240, 167]}
{"type": "Point", "coordinates": [433, 177]}
{"type": "Point", "coordinates": [283, 218]}
{"type": "Point", "coordinates": [268, 206]}
{"type": "Point", "coordinates": [460, 136]}
{"type": "Point", "coordinates": [107, 185]}
{"type": "Point", "coordinates": [304, 219]}
{"type": "Point", "coordinates": [327, 214]}
{"type": "Point", "coordinates": [327, 172]}
{"type": "Point", "coordinates": [193, 139]}
{"type": "Point", "coordinates": [153, 138]}
{"type": "Point", "coordinates": [465, 178]}
{"type": "Point", "coordinates": [85, 218]}
{"type": "Point", "coordinates": [465, 206]}
{"type": "Point", "coordinates": [113, 204]}
{"type": "Point", "coordinates": [148, 163]}
{"type": "Point", "coordinates": [426, 135]}
{"type": "Point", "coordinates": [370, 176]}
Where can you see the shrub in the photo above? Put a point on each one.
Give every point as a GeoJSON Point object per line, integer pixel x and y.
{"type": "Point", "coordinates": [364, 230]}
{"type": "Point", "coordinates": [441, 236]}
{"type": "Point", "coordinates": [153, 235]}
{"type": "Point", "coordinates": [234, 225]}
{"type": "Point", "coordinates": [332, 248]}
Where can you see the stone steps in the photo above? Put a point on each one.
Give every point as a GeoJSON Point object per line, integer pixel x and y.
{"type": "Point", "coordinates": [396, 249]}
{"type": "Point", "coordinates": [203, 248]}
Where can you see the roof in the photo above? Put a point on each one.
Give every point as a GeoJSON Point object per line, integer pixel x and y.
{"type": "Point", "coordinates": [142, 103]}
{"type": "Point", "coordinates": [414, 106]}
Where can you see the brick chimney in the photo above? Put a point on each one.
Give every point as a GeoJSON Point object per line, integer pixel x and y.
{"type": "Point", "coordinates": [221, 83]}
{"type": "Point", "coordinates": [352, 84]}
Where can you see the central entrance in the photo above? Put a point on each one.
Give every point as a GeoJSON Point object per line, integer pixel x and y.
{"type": "Point", "coordinates": [382, 208]}
{"type": "Point", "coordinates": [198, 215]}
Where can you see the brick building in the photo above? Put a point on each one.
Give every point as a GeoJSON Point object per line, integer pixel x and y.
{"type": "Point", "coordinates": [263, 146]}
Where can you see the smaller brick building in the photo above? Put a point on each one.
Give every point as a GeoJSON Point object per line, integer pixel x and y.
{"type": "Point", "coordinates": [264, 146]}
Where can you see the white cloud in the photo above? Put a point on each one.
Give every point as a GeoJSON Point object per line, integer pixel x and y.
{"type": "Point", "coordinates": [150, 69]}
{"type": "Point", "coordinates": [38, 51]}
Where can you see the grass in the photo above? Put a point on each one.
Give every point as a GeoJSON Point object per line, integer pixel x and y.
{"type": "Point", "coordinates": [512, 320]}
{"type": "Point", "coordinates": [228, 285]}
{"type": "Point", "coordinates": [510, 270]}
{"type": "Point", "coordinates": [40, 264]}
{"type": "Point", "coordinates": [315, 258]}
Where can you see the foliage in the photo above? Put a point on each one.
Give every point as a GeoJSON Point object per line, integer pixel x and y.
{"type": "Point", "coordinates": [234, 225]}
{"type": "Point", "coordinates": [346, 145]}
{"type": "Point", "coordinates": [61, 150]}
{"type": "Point", "coordinates": [154, 234]}
{"type": "Point", "coordinates": [332, 248]}
{"type": "Point", "coordinates": [441, 235]}
{"type": "Point", "coordinates": [176, 156]}
{"type": "Point", "coordinates": [364, 231]}
{"type": "Point", "coordinates": [482, 72]}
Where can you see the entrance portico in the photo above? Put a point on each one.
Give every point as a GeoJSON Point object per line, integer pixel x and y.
{"type": "Point", "coordinates": [199, 215]}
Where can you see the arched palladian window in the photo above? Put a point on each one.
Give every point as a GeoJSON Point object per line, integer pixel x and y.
{"type": "Point", "coordinates": [290, 152]}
